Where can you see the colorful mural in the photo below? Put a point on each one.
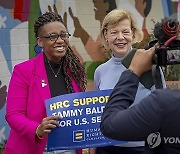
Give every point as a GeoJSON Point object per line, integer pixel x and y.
{"type": "Point", "coordinates": [83, 20]}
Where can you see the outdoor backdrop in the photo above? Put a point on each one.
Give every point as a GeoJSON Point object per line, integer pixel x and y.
{"type": "Point", "coordinates": [83, 19]}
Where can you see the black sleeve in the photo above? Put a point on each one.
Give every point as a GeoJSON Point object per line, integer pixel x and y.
{"type": "Point", "coordinates": [132, 124]}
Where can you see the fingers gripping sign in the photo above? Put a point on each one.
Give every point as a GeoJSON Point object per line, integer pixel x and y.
{"type": "Point", "coordinates": [47, 125]}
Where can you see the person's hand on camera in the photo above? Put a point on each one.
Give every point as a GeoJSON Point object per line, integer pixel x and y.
{"type": "Point", "coordinates": [47, 125]}
{"type": "Point", "coordinates": [142, 61]}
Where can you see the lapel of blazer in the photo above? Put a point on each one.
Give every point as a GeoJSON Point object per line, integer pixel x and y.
{"type": "Point", "coordinates": [41, 77]}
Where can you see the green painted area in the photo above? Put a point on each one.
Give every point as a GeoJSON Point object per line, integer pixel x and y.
{"type": "Point", "coordinates": [33, 15]}
{"type": "Point", "coordinates": [90, 67]}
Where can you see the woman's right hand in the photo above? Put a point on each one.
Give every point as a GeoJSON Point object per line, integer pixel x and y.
{"type": "Point", "coordinates": [142, 61]}
{"type": "Point", "coordinates": [47, 125]}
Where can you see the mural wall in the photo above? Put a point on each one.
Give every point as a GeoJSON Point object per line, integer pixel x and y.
{"type": "Point", "coordinates": [83, 19]}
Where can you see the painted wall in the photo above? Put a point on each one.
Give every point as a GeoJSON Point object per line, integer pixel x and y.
{"type": "Point", "coordinates": [83, 19]}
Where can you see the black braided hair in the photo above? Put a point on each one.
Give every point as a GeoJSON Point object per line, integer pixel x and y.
{"type": "Point", "coordinates": [44, 19]}
{"type": "Point", "coordinates": [72, 68]}
{"type": "Point", "coordinates": [72, 62]}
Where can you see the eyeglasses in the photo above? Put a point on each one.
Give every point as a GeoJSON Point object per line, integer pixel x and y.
{"type": "Point", "coordinates": [54, 36]}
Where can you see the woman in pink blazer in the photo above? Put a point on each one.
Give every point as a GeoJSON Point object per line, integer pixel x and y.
{"type": "Point", "coordinates": [55, 71]}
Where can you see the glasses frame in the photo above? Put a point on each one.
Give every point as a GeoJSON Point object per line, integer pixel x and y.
{"type": "Point", "coordinates": [58, 35]}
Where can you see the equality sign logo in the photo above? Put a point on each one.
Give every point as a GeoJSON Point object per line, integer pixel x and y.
{"type": "Point", "coordinates": [78, 136]}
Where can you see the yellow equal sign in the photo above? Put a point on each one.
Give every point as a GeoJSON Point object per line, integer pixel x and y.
{"type": "Point", "coordinates": [79, 136]}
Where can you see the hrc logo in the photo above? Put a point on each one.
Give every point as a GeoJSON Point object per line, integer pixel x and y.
{"type": "Point", "coordinates": [78, 136]}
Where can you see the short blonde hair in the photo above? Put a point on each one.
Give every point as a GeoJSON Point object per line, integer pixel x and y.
{"type": "Point", "coordinates": [113, 18]}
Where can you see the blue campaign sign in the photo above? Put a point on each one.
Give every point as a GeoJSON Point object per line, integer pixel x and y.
{"type": "Point", "coordinates": [81, 114]}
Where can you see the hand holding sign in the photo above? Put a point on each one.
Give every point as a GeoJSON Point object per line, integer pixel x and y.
{"type": "Point", "coordinates": [47, 125]}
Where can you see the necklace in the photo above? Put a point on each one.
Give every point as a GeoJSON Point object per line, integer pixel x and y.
{"type": "Point", "coordinates": [55, 74]}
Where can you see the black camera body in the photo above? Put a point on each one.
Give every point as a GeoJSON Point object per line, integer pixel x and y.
{"type": "Point", "coordinates": [168, 50]}
{"type": "Point", "coordinates": [169, 55]}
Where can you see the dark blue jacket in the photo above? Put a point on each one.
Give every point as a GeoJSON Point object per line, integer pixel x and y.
{"type": "Point", "coordinates": [156, 116]}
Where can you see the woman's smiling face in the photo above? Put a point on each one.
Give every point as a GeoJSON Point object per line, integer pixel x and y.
{"type": "Point", "coordinates": [119, 37]}
{"type": "Point", "coordinates": [54, 49]}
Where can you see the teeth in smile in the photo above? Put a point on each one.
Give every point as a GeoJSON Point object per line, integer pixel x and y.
{"type": "Point", "coordinates": [121, 45]}
{"type": "Point", "coordinates": [60, 48]}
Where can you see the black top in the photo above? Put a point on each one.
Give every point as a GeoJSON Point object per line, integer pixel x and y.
{"type": "Point", "coordinates": [57, 84]}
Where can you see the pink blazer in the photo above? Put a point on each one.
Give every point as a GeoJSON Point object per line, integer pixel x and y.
{"type": "Point", "coordinates": [25, 106]}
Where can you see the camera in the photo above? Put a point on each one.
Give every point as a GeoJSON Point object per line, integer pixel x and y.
{"type": "Point", "coordinates": [169, 55]}
{"type": "Point", "coordinates": [168, 51]}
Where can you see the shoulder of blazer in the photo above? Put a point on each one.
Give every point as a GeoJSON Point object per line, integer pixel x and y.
{"type": "Point", "coordinates": [28, 67]}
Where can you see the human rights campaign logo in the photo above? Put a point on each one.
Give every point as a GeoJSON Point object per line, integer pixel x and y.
{"type": "Point", "coordinates": [78, 136]}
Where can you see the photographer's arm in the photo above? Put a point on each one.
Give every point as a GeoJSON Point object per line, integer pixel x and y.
{"type": "Point", "coordinates": [123, 123]}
